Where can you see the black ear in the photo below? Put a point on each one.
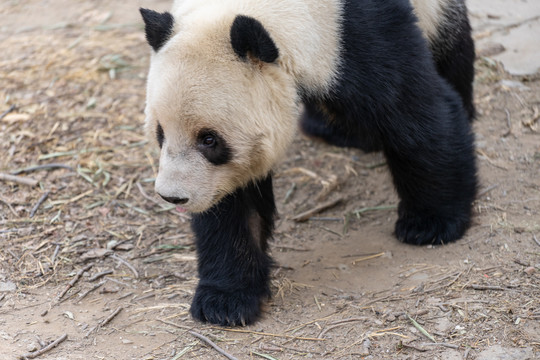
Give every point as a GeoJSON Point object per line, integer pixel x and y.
{"type": "Point", "coordinates": [249, 35]}
{"type": "Point", "coordinates": [158, 27]}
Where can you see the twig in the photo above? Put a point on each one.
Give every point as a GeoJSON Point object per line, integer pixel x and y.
{"type": "Point", "coordinates": [325, 218]}
{"type": "Point", "coordinates": [146, 196]}
{"type": "Point", "coordinates": [39, 202]}
{"type": "Point", "coordinates": [73, 281]}
{"type": "Point", "coordinates": [10, 109]}
{"type": "Point", "coordinates": [365, 318]}
{"type": "Point", "coordinates": [133, 270]}
{"type": "Point", "coordinates": [42, 167]}
{"type": "Point", "coordinates": [100, 275]}
{"type": "Point", "coordinates": [19, 179]}
{"type": "Point", "coordinates": [212, 344]}
{"type": "Point", "coordinates": [307, 214]}
{"type": "Point", "coordinates": [409, 346]}
{"type": "Point", "coordinates": [289, 247]}
{"type": "Point", "coordinates": [324, 331]}
{"type": "Point", "coordinates": [95, 287]}
{"type": "Point", "coordinates": [125, 295]}
{"type": "Point", "coordinates": [358, 212]}
{"type": "Point", "coordinates": [488, 189]}
{"type": "Point", "coordinates": [367, 258]}
{"type": "Point", "coordinates": [41, 342]}
{"type": "Point", "coordinates": [508, 123]}
{"type": "Point", "coordinates": [104, 322]}
{"type": "Point", "coordinates": [485, 287]}
{"type": "Point", "coordinates": [488, 159]}
{"type": "Point", "coordinates": [51, 346]}
{"type": "Point", "coordinates": [536, 240]}
{"type": "Point", "coordinates": [264, 356]}
{"type": "Point", "coordinates": [110, 317]}
{"type": "Point", "coordinates": [422, 330]}
{"type": "Point", "coordinates": [451, 346]}
{"type": "Point", "coordinates": [55, 254]}
{"type": "Point", "coordinates": [289, 193]}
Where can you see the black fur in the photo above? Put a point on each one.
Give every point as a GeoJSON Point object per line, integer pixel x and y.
{"type": "Point", "coordinates": [232, 246]}
{"type": "Point", "coordinates": [248, 35]}
{"type": "Point", "coordinates": [390, 97]}
{"type": "Point", "coordinates": [453, 52]}
{"type": "Point", "coordinates": [218, 152]}
{"type": "Point", "coordinates": [160, 135]}
{"type": "Point", "coordinates": [158, 27]}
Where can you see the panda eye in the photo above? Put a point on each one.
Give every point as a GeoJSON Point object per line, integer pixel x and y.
{"type": "Point", "coordinates": [209, 141]}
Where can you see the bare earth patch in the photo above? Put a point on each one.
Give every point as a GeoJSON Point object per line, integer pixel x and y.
{"type": "Point", "coordinates": [88, 251]}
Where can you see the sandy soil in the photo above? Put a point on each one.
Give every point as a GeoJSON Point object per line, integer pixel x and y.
{"type": "Point", "coordinates": [73, 79]}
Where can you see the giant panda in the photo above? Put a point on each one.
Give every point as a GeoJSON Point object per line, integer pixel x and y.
{"type": "Point", "coordinates": [227, 85]}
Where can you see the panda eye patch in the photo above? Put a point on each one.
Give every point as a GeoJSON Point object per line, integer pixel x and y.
{"type": "Point", "coordinates": [160, 135]}
{"type": "Point", "coordinates": [213, 147]}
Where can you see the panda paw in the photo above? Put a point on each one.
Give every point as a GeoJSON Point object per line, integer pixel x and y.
{"type": "Point", "coordinates": [425, 230]}
{"type": "Point", "coordinates": [226, 308]}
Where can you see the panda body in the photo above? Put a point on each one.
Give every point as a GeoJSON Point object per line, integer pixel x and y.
{"type": "Point", "coordinates": [228, 82]}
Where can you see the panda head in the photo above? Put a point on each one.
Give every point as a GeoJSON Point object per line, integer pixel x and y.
{"type": "Point", "coordinates": [219, 105]}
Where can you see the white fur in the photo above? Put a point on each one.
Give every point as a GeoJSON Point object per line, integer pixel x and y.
{"type": "Point", "coordinates": [429, 13]}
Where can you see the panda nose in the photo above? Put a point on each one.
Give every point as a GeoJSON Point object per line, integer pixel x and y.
{"type": "Point", "coordinates": [174, 200]}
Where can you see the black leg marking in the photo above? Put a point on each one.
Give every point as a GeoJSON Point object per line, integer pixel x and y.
{"type": "Point", "coordinates": [434, 173]}
{"type": "Point", "coordinates": [234, 265]}
{"type": "Point", "coordinates": [390, 95]}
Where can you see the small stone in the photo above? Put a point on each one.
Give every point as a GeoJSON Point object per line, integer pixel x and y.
{"type": "Point", "coordinates": [530, 270]}
{"type": "Point", "coordinates": [32, 347]}
{"type": "Point", "coordinates": [7, 286]}
{"type": "Point", "coordinates": [126, 341]}
{"type": "Point", "coordinates": [69, 315]}
{"type": "Point", "coordinates": [490, 49]}
{"type": "Point", "coordinates": [444, 325]}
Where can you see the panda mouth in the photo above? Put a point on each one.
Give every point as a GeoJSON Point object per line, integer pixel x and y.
{"type": "Point", "coordinates": [181, 209]}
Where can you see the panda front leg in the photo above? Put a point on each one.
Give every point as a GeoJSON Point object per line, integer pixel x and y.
{"type": "Point", "coordinates": [234, 266]}
{"type": "Point", "coordinates": [433, 166]}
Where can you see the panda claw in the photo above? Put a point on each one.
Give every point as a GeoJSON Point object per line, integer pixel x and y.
{"type": "Point", "coordinates": [430, 230]}
{"type": "Point", "coordinates": [226, 308]}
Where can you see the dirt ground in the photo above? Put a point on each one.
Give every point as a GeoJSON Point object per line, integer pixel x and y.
{"type": "Point", "coordinates": [88, 251]}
